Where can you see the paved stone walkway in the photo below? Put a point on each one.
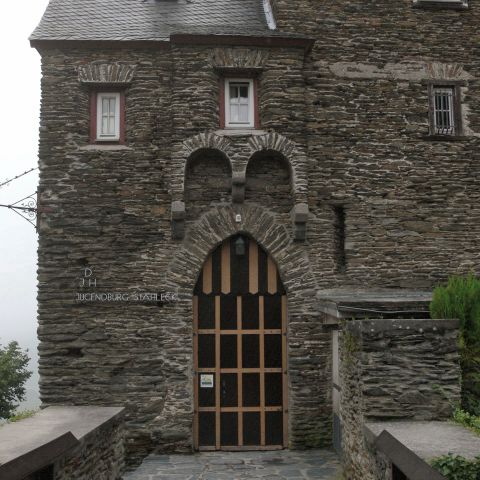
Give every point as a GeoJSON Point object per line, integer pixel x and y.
{"type": "Point", "coordinates": [276, 465]}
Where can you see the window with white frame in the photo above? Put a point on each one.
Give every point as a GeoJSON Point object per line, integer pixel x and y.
{"type": "Point", "coordinates": [443, 110]}
{"type": "Point", "coordinates": [239, 103]}
{"type": "Point", "coordinates": [108, 116]}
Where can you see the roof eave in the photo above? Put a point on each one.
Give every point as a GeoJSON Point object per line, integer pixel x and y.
{"type": "Point", "coordinates": [41, 43]}
{"type": "Point", "coordinates": [242, 40]}
{"type": "Point", "coordinates": [180, 39]}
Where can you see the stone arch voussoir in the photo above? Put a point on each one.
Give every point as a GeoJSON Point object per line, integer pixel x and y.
{"type": "Point", "coordinates": [188, 148]}
{"type": "Point", "coordinates": [220, 223]}
{"type": "Point", "coordinates": [290, 151]}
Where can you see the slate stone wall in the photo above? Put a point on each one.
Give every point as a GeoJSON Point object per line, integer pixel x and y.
{"type": "Point", "coordinates": [394, 370]}
{"type": "Point", "coordinates": [409, 199]}
{"type": "Point", "coordinates": [100, 455]}
{"type": "Point", "coordinates": [349, 122]}
{"type": "Point", "coordinates": [107, 208]}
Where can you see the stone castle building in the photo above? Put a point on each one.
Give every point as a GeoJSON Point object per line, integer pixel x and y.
{"type": "Point", "coordinates": [212, 172]}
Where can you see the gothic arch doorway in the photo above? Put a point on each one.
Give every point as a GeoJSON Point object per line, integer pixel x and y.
{"type": "Point", "coordinates": [240, 350]}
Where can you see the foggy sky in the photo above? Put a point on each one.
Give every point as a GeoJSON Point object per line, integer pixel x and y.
{"type": "Point", "coordinates": [20, 103]}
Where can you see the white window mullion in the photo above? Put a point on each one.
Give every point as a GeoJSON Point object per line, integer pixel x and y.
{"type": "Point", "coordinates": [108, 116]}
{"type": "Point", "coordinates": [239, 103]}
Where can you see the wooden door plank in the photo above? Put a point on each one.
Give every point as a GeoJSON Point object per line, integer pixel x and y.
{"type": "Point", "coordinates": [246, 449]}
{"type": "Point", "coordinates": [253, 267]}
{"type": "Point", "coordinates": [261, 307]}
{"type": "Point", "coordinates": [226, 280]}
{"type": "Point", "coordinates": [271, 275]}
{"type": "Point", "coordinates": [243, 370]}
{"type": "Point", "coordinates": [217, 372]}
{"type": "Point", "coordinates": [271, 331]}
{"type": "Point", "coordinates": [285, 371]}
{"type": "Point", "coordinates": [239, 373]}
{"type": "Point", "coordinates": [195, 375]}
{"type": "Point", "coordinates": [240, 409]}
{"type": "Point", "coordinates": [207, 276]}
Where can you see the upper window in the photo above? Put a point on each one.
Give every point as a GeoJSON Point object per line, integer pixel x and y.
{"type": "Point", "coordinates": [239, 103]}
{"type": "Point", "coordinates": [443, 110]}
{"type": "Point", "coordinates": [445, 115]}
{"type": "Point", "coordinates": [108, 117]}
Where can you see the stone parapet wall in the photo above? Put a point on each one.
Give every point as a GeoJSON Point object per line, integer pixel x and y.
{"type": "Point", "coordinates": [394, 369]}
{"type": "Point", "coordinates": [65, 443]}
{"type": "Point", "coordinates": [100, 455]}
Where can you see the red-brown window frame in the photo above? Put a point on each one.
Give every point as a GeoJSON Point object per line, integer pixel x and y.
{"type": "Point", "coordinates": [93, 116]}
{"type": "Point", "coordinates": [256, 113]}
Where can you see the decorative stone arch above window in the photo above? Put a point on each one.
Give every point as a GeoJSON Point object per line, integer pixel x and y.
{"type": "Point", "coordinates": [256, 143]}
{"type": "Point", "coordinates": [238, 60]}
{"type": "Point", "coordinates": [99, 73]}
{"type": "Point", "coordinates": [178, 170]}
{"type": "Point", "coordinates": [299, 177]}
{"type": "Point", "coordinates": [446, 71]}
{"type": "Point", "coordinates": [292, 154]}
{"type": "Point", "coordinates": [203, 141]}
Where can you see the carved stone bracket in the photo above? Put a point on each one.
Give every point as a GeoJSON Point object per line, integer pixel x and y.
{"type": "Point", "coordinates": [300, 219]}
{"type": "Point", "coordinates": [238, 186]}
{"type": "Point", "coordinates": [178, 220]}
{"type": "Point", "coordinates": [106, 73]}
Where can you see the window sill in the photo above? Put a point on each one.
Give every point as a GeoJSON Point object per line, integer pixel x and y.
{"type": "Point", "coordinates": [445, 138]}
{"type": "Point", "coordinates": [105, 147]}
{"type": "Point", "coordinates": [437, 5]}
{"type": "Point", "coordinates": [240, 132]}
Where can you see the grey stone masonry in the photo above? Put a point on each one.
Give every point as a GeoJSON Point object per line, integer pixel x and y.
{"type": "Point", "coordinates": [80, 442]}
{"type": "Point", "coordinates": [343, 125]}
{"type": "Point", "coordinates": [419, 442]}
{"type": "Point", "coordinates": [429, 439]}
{"type": "Point", "coordinates": [394, 370]}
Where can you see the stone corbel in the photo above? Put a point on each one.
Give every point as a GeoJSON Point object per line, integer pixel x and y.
{"type": "Point", "coordinates": [300, 219]}
{"type": "Point", "coordinates": [178, 220]}
{"type": "Point", "coordinates": [238, 187]}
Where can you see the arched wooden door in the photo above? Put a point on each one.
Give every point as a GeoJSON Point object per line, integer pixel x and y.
{"type": "Point", "coordinates": [240, 348]}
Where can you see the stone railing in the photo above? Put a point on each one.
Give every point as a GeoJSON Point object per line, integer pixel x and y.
{"type": "Point", "coordinates": [64, 443]}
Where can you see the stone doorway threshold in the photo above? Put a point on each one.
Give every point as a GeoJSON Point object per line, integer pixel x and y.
{"type": "Point", "coordinates": [272, 465]}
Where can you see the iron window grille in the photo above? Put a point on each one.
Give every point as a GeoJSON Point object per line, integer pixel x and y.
{"type": "Point", "coordinates": [445, 110]}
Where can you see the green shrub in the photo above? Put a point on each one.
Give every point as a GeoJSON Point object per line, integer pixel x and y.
{"type": "Point", "coordinates": [460, 299]}
{"type": "Point", "coordinates": [467, 420]}
{"type": "Point", "coordinates": [21, 415]}
{"type": "Point", "coordinates": [13, 375]}
{"type": "Point", "coordinates": [455, 467]}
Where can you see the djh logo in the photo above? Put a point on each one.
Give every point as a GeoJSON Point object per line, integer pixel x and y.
{"type": "Point", "coordinates": [88, 280]}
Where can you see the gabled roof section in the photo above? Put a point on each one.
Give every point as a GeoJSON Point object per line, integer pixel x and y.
{"type": "Point", "coordinates": [150, 20]}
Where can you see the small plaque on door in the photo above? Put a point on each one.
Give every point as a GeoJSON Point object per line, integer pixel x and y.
{"type": "Point", "coordinates": [206, 381]}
